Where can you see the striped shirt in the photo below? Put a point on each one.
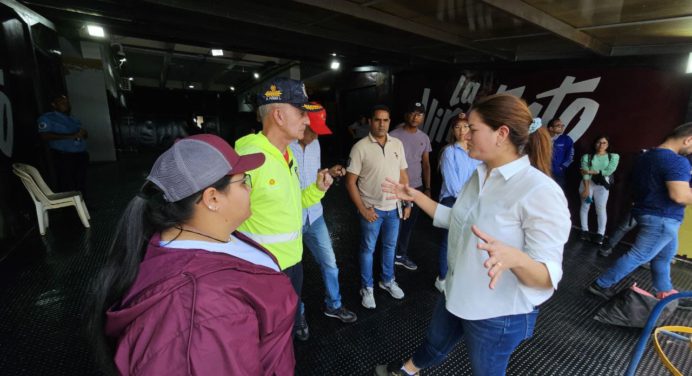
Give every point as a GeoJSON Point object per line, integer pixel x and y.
{"type": "Point", "coordinates": [309, 161]}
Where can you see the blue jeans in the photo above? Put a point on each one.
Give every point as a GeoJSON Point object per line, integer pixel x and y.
{"type": "Point", "coordinates": [490, 342]}
{"type": "Point", "coordinates": [448, 202]}
{"type": "Point", "coordinates": [388, 222]}
{"type": "Point", "coordinates": [316, 238]}
{"type": "Point", "coordinates": [657, 242]}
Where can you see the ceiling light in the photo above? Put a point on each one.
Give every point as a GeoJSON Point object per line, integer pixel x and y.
{"type": "Point", "coordinates": [232, 88]}
{"type": "Point", "coordinates": [256, 75]}
{"type": "Point", "coordinates": [216, 52]}
{"type": "Point", "coordinates": [335, 65]}
{"type": "Point", "coordinates": [689, 64]}
{"type": "Point", "coordinates": [333, 53]}
{"type": "Point", "coordinates": [96, 31]}
{"type": "Point", "coordinates": [130, 78]}
{"type": "Point", "coordinates": [191, 86]}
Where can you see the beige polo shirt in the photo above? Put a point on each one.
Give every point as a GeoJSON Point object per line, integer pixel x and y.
{"type": "Point", "coordinates": [373, 163]}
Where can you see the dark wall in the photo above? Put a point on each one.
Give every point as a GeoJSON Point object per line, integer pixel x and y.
{"type": "Point", "coordinates": [28, 72]}
{"type": "Point", "coordinates": [635, 105]}
{"type": "Point", "coordinates": [171, 106]}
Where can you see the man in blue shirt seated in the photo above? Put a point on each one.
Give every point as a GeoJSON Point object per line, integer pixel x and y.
{"type": "Point", "coordinates": [662, 190]}
{"type": "Point", "coordinates": [67, 143]}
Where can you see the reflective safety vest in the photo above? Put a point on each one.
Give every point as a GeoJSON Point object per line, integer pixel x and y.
{"type": "Point", "coordinates": [276, 201]}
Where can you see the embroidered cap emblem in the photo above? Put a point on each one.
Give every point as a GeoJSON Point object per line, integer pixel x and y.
{"type": "Point", "coordinates": [273, 93]}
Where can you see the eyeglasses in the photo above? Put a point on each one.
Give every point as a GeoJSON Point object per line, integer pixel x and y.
{"type": "Point", "coordinates": [246, 179]}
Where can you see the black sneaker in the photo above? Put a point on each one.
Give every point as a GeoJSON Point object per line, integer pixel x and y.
{"type": "Point", "coordinates": [405, 262]}
{"type": "Point", "coordinates": [598, 239]}
{"type": "Point", "coordinates": [391, 369]}
{"type": "Point", "coordinates": [342, 314]}
{"type": "Point", "coordinates": [584, 235]}
{"type": "Point", "coordinates": [605, 252]}
{"type": "Point", "coordinates": [601, 292]}
{"type": "Point", "coordinates": [606, 249]}
{"type": "Point", "coordinates": [301, 330]}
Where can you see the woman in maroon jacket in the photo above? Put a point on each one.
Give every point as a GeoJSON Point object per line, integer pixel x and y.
{"type": "Point", "coordinates": [182, 293]}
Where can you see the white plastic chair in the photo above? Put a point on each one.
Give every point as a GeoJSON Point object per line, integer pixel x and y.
{"type": "Point", "coordinates": [44, 198]}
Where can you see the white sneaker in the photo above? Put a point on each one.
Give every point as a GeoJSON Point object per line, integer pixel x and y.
{"type": "Point", "coordinates": [393, 289]}
{"type": "Point", "coordinates": [440, 284]}
{"type": "Point", "coordinates": [368, 298]}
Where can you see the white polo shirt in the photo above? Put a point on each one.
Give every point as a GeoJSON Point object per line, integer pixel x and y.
{"type": "Point", "coordinates": [519, 206]}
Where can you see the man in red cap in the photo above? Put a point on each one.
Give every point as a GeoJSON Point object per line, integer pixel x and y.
{"type": "Point", "coordinates": [315, 233]}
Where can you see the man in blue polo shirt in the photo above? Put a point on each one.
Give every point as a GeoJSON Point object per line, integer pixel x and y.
{"type": "Point", "coordinates": [67, 143]}
{"type": "Point", "coordinates": [661, 179]}
{"type": "Point", "coordinates": [563, 151]}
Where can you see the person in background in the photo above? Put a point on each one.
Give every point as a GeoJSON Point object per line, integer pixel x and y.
{"type": "Point", "coordinates": [307, 153]}
{"type": "Point", "coordinates": [627, 224]}
{"type": "Point", "coordinates": [507, 231]}
{"type": "Point", "coordinates": [67, 143]}
{"type": "Point", "coordinates": [277, 200]}
{"type": "Point", "coordinates": [661, 180]}
{"type": "Point", "coordinates": [563, 151]}
{"type": "Point", "coordinates": [417, 149]}
{"type": "Point", "coordinates": [373, 159]}
{"type": "Point", "coordinates": [359, 128]}
{"type": "Point", "coordinates": [456, 167]}
{"type": "Point", "coordinates": [183, 293]}
{"type": "Point", "coordinates": [597, 170]}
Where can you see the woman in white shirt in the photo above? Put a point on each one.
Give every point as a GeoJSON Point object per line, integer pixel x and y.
{"type": "Point", "coordinates": [507, 231]}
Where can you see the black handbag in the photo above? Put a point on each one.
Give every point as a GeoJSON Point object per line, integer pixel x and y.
{"type": "Point", "coordinates": [631, 308]}
{"type": "Point", "coordinates": [604, 181]}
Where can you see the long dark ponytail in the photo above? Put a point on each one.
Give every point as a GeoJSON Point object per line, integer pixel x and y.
{"type": "Point", "coordinates": [146, 214]}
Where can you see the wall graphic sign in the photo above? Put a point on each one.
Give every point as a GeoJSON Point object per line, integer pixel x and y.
{"type": "Point", "coordinates": [466, 91]}
{"type": "Point", "coordinates": [6, 120]}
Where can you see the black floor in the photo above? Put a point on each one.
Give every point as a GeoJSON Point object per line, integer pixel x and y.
{"type": "Point", "coordinates": [43, 288]}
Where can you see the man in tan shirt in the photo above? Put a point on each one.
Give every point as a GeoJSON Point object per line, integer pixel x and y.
{"type": "Point", "coordinates": [373, 159]}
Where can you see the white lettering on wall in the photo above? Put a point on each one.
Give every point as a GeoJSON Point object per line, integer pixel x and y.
{"type": "Point", "coordinates": [466, 91]}
{"type": "Point", "coordinates": [6, 120]}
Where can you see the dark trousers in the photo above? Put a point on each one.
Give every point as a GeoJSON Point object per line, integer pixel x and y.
{"type": "Point", "coordinates": [70, 171]}
{"type": "Point", "coordinates": [295, 274]}
{"type": "Point", "coordinates": [405, 230]}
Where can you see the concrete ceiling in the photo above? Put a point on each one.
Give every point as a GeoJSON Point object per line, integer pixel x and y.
{"type": "Point", "coordinates": [170, 40]}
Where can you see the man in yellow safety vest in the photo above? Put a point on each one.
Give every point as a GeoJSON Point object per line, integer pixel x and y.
{"type": "Point", "coordinates": [276, 199]}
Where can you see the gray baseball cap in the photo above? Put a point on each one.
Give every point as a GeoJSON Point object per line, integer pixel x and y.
{"type": "Point", "coordinates": [196, 162]}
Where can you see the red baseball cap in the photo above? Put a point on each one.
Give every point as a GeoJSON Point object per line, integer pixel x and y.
{"type": "Point", "coordinates": [318, 120]}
